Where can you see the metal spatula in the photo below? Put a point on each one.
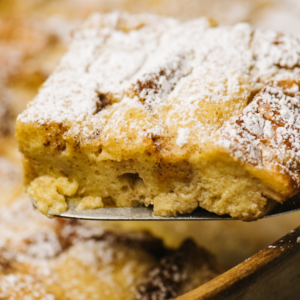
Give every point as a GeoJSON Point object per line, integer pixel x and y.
{"type": "Point", "coordinates": [145, 213]}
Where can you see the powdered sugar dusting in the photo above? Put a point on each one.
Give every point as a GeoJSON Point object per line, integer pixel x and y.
{"type": "Point", "coordinates": [275, 53]}
{"type": "Point", "coordinates": [103, 57]}
{"type": "Point", "coordinates": [152, 56]}
{"type": "Point", "coordinates": [183, 134]}
{"type": "Point", "coordinates": [267, 132]}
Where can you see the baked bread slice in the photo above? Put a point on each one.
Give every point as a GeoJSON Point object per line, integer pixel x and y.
{"type": "Point", "coordinates": [148, 110]}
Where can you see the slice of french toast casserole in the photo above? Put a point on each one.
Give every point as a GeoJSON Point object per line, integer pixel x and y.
{"type": "Point", "coordinates": [148, 110]}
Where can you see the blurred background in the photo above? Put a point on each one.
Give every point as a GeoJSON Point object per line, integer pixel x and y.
{"type": "Point", "coordinates": [34, 34]}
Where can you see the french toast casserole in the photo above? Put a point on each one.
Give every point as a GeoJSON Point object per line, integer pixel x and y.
{"type": "Point", "coordinates": [148, 110]}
